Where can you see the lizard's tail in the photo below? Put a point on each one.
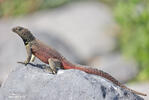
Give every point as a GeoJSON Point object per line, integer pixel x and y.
{"type": "Point", "coordinates": [100, 73]}
{"type": "Point", "coordinates": [136, 92]}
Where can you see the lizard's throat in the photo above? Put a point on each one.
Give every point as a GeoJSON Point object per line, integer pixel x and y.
{"type": "Point", "coordinates": [26, 41]}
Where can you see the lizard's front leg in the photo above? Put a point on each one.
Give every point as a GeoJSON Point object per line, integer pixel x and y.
{"type": "Point", "coordinates": [29, 54]}
{"type": "Point", "coordinates": [32, 58]}
{"type": "Point", "coordinates": [53, 65]}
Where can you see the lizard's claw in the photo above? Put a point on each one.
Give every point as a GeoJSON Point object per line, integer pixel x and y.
{"type": "Point", "coordinates": [48, 69]}
{"type": "Point", "coordinates": [25, 63]}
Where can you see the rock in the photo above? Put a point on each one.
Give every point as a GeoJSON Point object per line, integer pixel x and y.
{"type": "Point", "coordinates": [116, 65]}
{"type": "Point", "coordinates": [31, 83]}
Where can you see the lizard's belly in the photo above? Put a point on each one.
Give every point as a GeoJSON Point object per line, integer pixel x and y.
{"type": "Point", "coordinates": [43, 56]}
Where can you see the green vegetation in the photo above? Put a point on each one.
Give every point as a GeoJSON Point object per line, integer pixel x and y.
{"type": "Point", "coordinates": [133, 18]}
{"type": "Point", "coordinates": [22, 7]}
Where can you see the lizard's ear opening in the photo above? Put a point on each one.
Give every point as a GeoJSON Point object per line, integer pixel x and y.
{"type": "Point", "coordinates": [19, 28]}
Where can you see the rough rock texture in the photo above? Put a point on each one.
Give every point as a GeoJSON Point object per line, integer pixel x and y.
{"type": "Point", "coordinates": [31, 83]}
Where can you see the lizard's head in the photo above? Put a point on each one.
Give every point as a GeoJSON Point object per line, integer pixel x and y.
{"type": "Point", "coordinates": [24, 33]}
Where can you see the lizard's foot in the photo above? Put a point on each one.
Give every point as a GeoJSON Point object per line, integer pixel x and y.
{"type": "Point", "coordinates": [54, 64]}
{"type": "Point", "coordinates": [48, 69]}
{"type": "Point", "coordinates": [25, 62]}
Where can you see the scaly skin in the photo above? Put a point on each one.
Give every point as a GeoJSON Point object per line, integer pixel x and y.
{"type": "Point", "coordinates": [50, 56]}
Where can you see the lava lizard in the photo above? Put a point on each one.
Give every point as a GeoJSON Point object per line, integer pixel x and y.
{"type": "Point", "coordinates": [48, 55]}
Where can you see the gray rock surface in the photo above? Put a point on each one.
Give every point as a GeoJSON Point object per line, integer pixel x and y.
{"type": "Point", "coordinates": [31, 83]}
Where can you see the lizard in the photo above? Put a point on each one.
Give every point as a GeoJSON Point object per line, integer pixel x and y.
{"type": "Point", "coordinates": [48, 55]}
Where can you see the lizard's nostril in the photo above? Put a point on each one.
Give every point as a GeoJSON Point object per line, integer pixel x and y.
{"type": "Point", "coordinates": [13, 29]}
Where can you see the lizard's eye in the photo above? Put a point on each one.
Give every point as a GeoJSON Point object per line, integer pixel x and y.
{"type": "Point", "coordinates": [19, 29]}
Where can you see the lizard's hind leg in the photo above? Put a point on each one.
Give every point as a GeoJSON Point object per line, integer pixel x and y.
{"type": "Point", "coordinates": [54, 64]}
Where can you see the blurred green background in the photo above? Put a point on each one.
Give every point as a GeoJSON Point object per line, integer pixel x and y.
{"type": "Point", "coordinates": [133, 18]}
{"type": "Point", "coordinates": [131, 15]}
